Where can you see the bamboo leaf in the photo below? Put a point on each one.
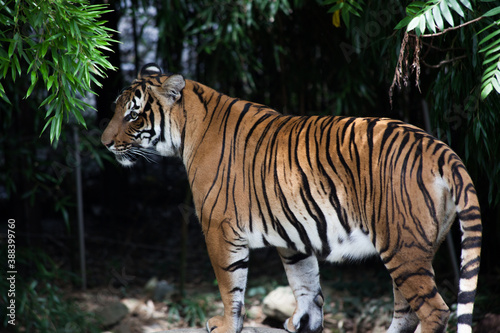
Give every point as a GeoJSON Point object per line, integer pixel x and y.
{"type": "Point", "coordinates": [456, 7]}
{"type": "Point", "coordinates": [467, 4]}
{"type": "Point", "coordinates": [446, 13]}
{"type": "Point", "coordinates": [3, 95]}
{"type": "Point", "coordinates": [486, 90]}
{"type": "Point", "coordinates": [437, 17]}
{"type": "Point", "coordinates": [413, 23]}
{"type": "Point", "coordinates": [490, 36]}
{"type": "Point", "coordinates": [493, 50]}
{"type": "Point", "coordinates": [430, 20]}
{"type": "Point", "coordinates": [493, 47]}
{"type": "Point", "coordinates": [403, 23]}
{"type": "Point", "coordinates": [492, 12]}
{"type": "Point", "coordinates": [421, 25]}
{"type": "Point", "coordinates": [496, 85]}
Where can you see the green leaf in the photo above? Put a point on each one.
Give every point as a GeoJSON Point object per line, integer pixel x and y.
{"type": "Point", "coordinates": [421, 26]}
{"type": "Point", "coordinates": [490, 36]}
{"type": "Point", "coordinates": [491, 59]}
{"type": "Point", "coordinates": [413, 23]}
{"type": "Point", "coordinates": [16, 65]}
{"type": "Point", "coordinates": [474, 50]}
{"type": "Point", "coordinates": [492, 12]}
{"type": "Point", "coordinates": [492, 47]}
{"type": "Point", "coordinates": [79, 117]}
{"type": "Point", "coordinates": [403, 23]}
{"type": "Point", "coordinates": [438, 18]}
{"type": "Point", "coordinates": [3, 95]}
{"type": "Point", "coordinates": [456, 7]}
{"type": "Point", "coordinates": [486, 90]}
{"type": "Point", "coordinates": [467, 4]}
{"type": "Point", "coordinates": [430, 20]}
{"type": "Point", "coordinates": [34, 80]}
{"type": "Point", "coordinates": [496, 84]}
{"type": "Point", "coordinates": [446, 13]}
{"type": "Point", "coordinates": [50, 82]}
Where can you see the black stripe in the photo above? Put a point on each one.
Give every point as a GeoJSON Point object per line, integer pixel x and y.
{"type": "Point", "coordinates": [465, 297]}
{"type": "Point", "coordinates": [471, 242]}
{"type": "Point", "coordinates": [466, 272]}
{"type": "Point", "coordinates": [404, 310]}
{"type": "Point", "coordinates": [465, 319]}
{"type": "Point", "coordinates": [334, 199]}
{"type": "Point", "coordinates": [236, 290]}
{"type": "Point", "coordinates": [403, 277]}
{"type": "Point", "coordinates": [240, 264]}
{"type": "Point", "coordinates": [471, 213]}
{"type": "Point", "coordinates": [296, 258]}
{"type": "Point", "coordinates": [219, 165]}
{"type": "Point", "coordinates": [478, 227]}
{"type": "Point", "coordinates": [291, 216]}
{"type": "Point", "coordinates": [422, 298]}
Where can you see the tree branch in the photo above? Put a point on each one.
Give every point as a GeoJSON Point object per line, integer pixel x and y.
{"type": "Point", "coordinates": [453, 28]}
{"type": "Point", "coordinates": [443, 62]}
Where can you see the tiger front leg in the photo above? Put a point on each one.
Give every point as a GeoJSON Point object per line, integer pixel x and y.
{"type": "Point", "coordinates": [229, 256]}
{"type": "Point", "coordinates": [303, 276]}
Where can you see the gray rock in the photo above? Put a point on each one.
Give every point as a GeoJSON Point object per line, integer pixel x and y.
{"type": "Point", "coordinates": [245, 330]}
{"type": "Point", "coordinates": [111, 313]}
{"type": "Point", "coordinates": [279, 303]}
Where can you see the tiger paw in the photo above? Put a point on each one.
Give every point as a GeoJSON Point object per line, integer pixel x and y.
{"type": "Point", "coordinates": [303, 325]}
{"type": "Point", "coordinates": [308, 316]}
{"type": "Point", "coordinates": [217, 324]}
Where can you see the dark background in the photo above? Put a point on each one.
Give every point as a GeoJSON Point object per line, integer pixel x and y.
{"type": "Point", "coordinates": [291, 58]}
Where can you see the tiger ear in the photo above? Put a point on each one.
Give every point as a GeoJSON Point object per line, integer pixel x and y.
{"type": "Point", "coordinates": [173, 86]}
{"type": "Point", "coordinates": [149, 69]}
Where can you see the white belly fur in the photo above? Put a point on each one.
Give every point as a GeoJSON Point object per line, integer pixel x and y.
{"type": "Point", "coordinates": [356, 246]}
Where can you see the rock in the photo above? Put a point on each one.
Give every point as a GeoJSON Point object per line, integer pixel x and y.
{"type": "Point", "coordinates": [158, 290]}
{"type": "Point", "coordinates": [245, 330]}
{"type": "Point", "coordinates": [111, 313]}
{"type": "Point", "coordinates": [131, 303]}
{"type": "Point", "coordinates": [279, 304]}
{"type": "Point", "coordinates": [254, 312]}
{"type": "Point", "coordinates": [162, 290]}
{"type": "Point", "coordinates": [150, 286]}
{"type": "Point", "coordinates": [489, 324]}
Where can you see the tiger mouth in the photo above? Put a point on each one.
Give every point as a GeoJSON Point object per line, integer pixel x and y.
{"type": "Point", "coordinates": [126, 159]}
{"type": "Point", "coordinates": [129, 155]}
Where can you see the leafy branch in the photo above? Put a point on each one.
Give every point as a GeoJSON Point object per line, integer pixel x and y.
{"type": "Point", "coordinates": [490, 47]}
{"type": "Point", "coordinates": [344, 8]}
{"type": "Point", "coordinates": [432, 15]}
{"type": "Point", "coordinates": [62, 44]}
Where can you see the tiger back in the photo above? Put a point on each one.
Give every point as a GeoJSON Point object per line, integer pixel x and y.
{"type": "Point", "coordinates": [333, 188]}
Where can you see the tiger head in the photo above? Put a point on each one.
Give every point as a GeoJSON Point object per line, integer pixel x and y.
{"type": "Point", "coordinates": [144, 121]}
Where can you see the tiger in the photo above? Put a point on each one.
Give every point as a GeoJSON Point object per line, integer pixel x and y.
{"type": "Point", "coordinates": [329, 188]}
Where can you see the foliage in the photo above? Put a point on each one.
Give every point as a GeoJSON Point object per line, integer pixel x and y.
{"type": "Point", "coordinates": [40, 304]}
{"type": "Point", "coordinates": [192, 310]}
{"type": "Point", "coordinates": [452, 49]}
{"type": "Point", "coordinates": [491, 49]}
{"type": "Point", "coordinates": [221, 33]}
{"type": "Point", "coordinates": [344, 9]}
{"type": "Point", "coordinates": [61, 43]}
{"type": "Point", "coordinates": [430, 14]}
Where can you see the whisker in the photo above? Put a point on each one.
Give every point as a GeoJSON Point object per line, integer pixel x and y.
{"type": "Point", "coordinates": [147, 154]}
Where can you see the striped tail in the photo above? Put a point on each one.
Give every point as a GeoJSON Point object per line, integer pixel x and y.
{"type": "Point", "coordinates": [470, 224]}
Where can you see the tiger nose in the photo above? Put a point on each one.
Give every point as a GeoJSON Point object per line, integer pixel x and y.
{"type": "Point", "coordinates": [107, 142]}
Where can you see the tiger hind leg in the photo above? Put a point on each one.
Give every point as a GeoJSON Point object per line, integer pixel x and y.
{"type": "Point", "coordinates": [303, 276]}
{"type": "Point", "coordinates": [414, 281]}
{"type": "Point", "coordinates": [404, 319]}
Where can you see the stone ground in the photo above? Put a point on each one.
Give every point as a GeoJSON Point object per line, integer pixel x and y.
{"type": "Point", "coordinates": [139, 313]}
